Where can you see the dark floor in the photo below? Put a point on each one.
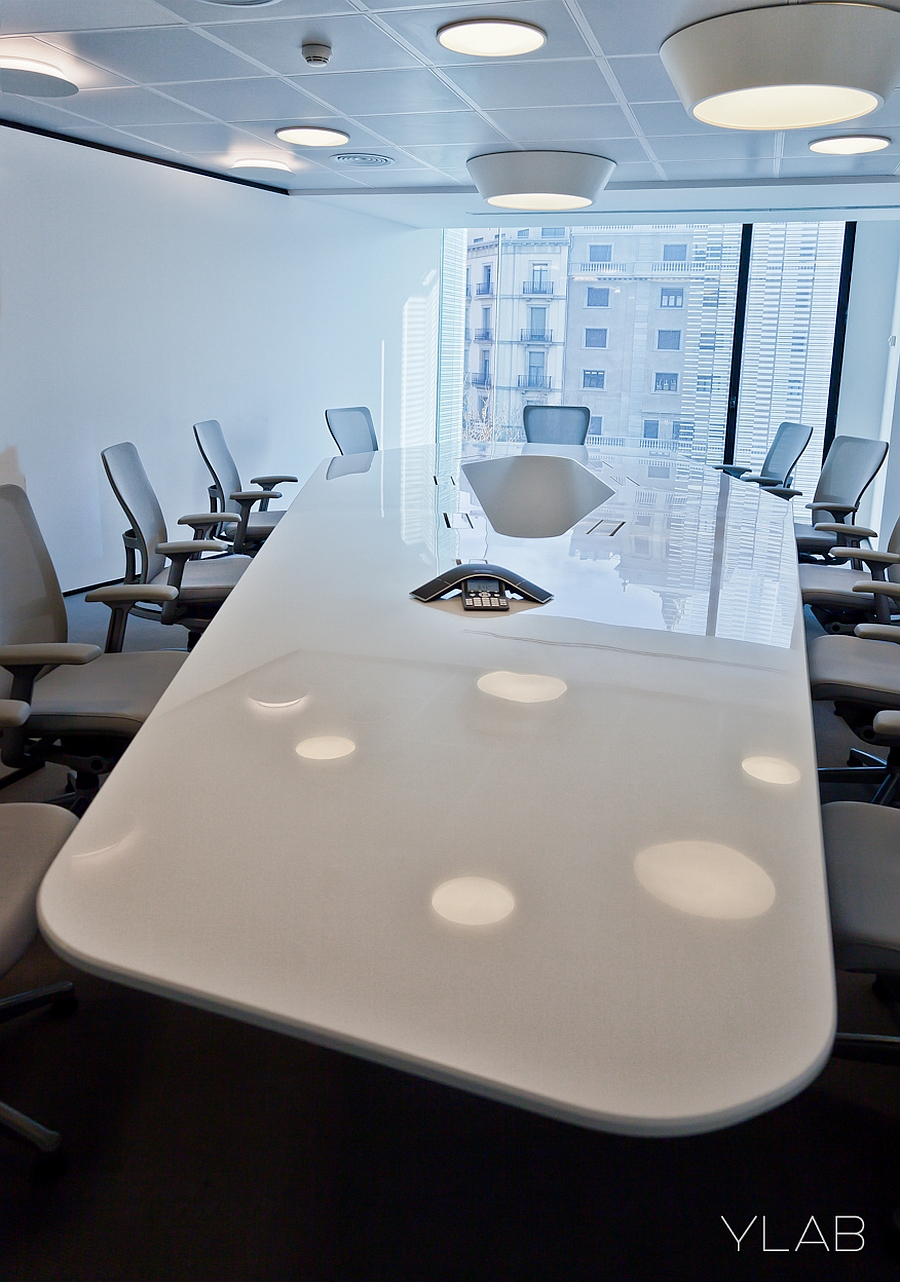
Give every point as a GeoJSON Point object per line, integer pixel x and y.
{"type": "Point", "coordinates": [201, 1148]}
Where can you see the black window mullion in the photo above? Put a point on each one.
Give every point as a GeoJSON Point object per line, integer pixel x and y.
{"type": "Point", "coordinates": [737, 345]}
{"type": "Point", "coordinates": [840, 334]}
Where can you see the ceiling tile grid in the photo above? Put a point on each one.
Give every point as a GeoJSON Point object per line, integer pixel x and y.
{"type": "Point", "coordinates": [207, 84]}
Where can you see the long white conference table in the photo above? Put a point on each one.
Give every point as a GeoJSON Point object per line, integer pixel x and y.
{"type": "Point", "coordinates": [567, 856]}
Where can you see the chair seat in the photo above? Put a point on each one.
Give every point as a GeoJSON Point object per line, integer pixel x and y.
{"type": "Point", "coordinates": [850, 669]}
{"type": "Point", "coordinates": [113, 695]}
{"type": "Point", "coordinates": [30, 836]}
{"type": "Point", "coordinates": [862, 856]}
{"type": "Point", "coordinates": [813, 541]}
{"type": "Point", "coordinates": [210, 579]}
{"type": "Point", "coordinates": [263, 523]}
{"type": "Point", "coordinates": [833, 585]}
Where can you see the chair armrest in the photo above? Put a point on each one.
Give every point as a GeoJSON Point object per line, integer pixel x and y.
{"type": "Point", "coordinates": [864, 554]}
{"type": "Point", "coordinates": [767, 481]}
{"type": "Point", "coordinates": [208, 520]}
{"type": "Point", "coordinates": [840, 509]}
{"type": "Point", "coordinates": [13, 713]}
{"type": "Point", "coordinates": [253, 496]}
{"type": "Point", "coordinates": [245, 500]}
{"type": "Point", "coordinates": [267, 482]}
{"type": "Point", "coordinates": [190, 547]}
{"type": "Point", "coordinates": [851, 531]}
{"type": "Point", "coordinates": [870, 586]}
{"type": "Point", "coordinates": [42, 654]}
{"type": "Point", "coordinates": [131, 593]}
{"type": "Point", "coordinates": [877, 632]}
{"type": "Point", "coordinates": [783, 491]}
{"type": "Point", "coordinates": [733, 469]}
{"type": "Point", "coordinates": [887, 725]}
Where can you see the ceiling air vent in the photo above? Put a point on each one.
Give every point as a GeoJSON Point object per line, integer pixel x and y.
{"type": "Point", "coordinates": [362, 160]}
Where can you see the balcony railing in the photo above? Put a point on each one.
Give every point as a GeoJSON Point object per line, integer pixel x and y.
{"type": "Point", "coordinates": [482, 335]}
{"type": "Point", "coordinates": [481, 380]}
{"type": "Point", "coordinates": [536, 382]}
{"type": "Point", "coordinates": [486, 287]}
{"type": "Point", "coordinates": [603, 267]}
{"type": "Point", "coordinates": [537, 287]}
{"type": "Point", "coordinates": [536, 336]}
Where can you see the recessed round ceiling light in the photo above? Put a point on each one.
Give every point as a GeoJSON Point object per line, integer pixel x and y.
{"type": "Point", "coordinates": [540, 180]}
{"type": "Point", "coordinates": [847, 145]}
{"type": "Point", "coordinates": [491, 37]}
{"type": "Point", "coordinates": [786, 66]}
{"type": "Point", "coordinates": [34, 79]}
{"type": "Point", "coordinates": [312, 136]}
{"type": "Point", "coordinates": [249, 163]}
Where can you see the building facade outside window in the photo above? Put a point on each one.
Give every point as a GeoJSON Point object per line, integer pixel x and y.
{"type": "Point", "coordinates": [595, 337]}
{"type": "Point", "coordinates": [665, 383]}
{"type": "Point", "coordinates": [670, 297]}
{"type": "Point", "coordinates": [597, 297]}
{"type": "Point", "coordinates": [668, 340]}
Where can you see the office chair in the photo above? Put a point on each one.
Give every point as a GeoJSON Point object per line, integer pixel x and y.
{"type": "Point", "coordinates": [849, 469]}
{"type": "Point", "coordinates": [835, 589]}
{"type": "Point", "coordinates": [556, 424]}
{"type": "Point", "coordinates": [789, 442]}
{"type": "Point", "coordinates": [352, 429]}
{"type": "Point", "coordinates": [30, 836]}
{"type": "Point", "coordinates": [79, 707]}
{"type": "Point", "coordinates": [253, 528]}
{"type": "Point", "coordinates": [201, 585]}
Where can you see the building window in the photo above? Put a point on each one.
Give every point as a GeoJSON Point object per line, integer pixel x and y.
{"type": "Point", "coordinates": [668, 340]}
{"type": "Point", "coordinates": [595, 427]}
{"type": "Point", "coordinates": [674, 253]}
{"type": "Point", "coordinates": [597, 297]}
{"type": "Point", "coordinates": [704, 382]}
{"type": "Point", "coordinates": [682, 431]}
{"type": "Point", "coordinates": [658, 469]}
{"type": "Point", "coordinates": [593, 378]}
{"type": "Point", "coordinates": [671, 297]}
{"type": "Point", "coordinates": [651, 429]}
{"type": "Point", "coordinates": [595, 337]}
{"type": "Point", "coordinates": [642, 518]}
{"type": "Point", "coordinates": [522, 233]}
{"type": "Point", "coordinates": [665, 383]}
{"type": "Point", "coordinates": [599, 253]}
{"type": "Point", "coordinates": [707, 341]}
{"type": "Point", "coordinates": [641, 546]}
{"type": "Point", "coordinates": [553, 231]}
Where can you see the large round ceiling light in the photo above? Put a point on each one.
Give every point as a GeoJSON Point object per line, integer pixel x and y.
{"type": "Point", "coordinates": [249, 163]}
{"type": "Point", "coordinates": [794, 66]}
{"type": "Point", "coordinates": [312, 136]}
{"type": "Point", "coordinates": [849, 145]}
{"type": "Point", "coordinates": [491, 37]}
{"type": "Point", "coordinates": [540, 180]}
{"type": "Point", "coordinates": [34, 79]}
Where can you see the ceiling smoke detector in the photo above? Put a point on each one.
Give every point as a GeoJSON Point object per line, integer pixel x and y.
{"type": "Point", "coordinates": [316, 55]}
{"type": "Point", "coordinates": [362, 160]}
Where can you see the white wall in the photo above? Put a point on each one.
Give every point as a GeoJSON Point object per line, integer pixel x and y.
{"type": "Point", "coordinates": [136, 300]}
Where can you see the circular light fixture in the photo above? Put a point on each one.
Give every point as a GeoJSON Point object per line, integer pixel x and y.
{"type": "Point", "coordinates": [849, 145]}
{"type": "Point", "coordinates": [770, 769]}
{"type": "Point", "coordinates": [249, 163]}
{"type": "Point", "coordinates": [540, 180]}
{"type": "Point", "coordinates": [521, 687]}
{"type": "Point", "coordinates": [312, 136]}
{"type": "Point", "coordinates": [34, 79]}
{"type": "Point", "coordinates": [325, 747]}
{"type": "Point", "coordinates": [705, 879]}
{"type": "Point", "coordinates": [472, 901]}
{"type": "Point", "coordinates": [491, 37]}
{"type": "Point", "coordinates": [788, 66]}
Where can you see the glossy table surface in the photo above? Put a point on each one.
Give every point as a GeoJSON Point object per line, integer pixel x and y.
{"type": "Point", "coordinates": [663, 965]}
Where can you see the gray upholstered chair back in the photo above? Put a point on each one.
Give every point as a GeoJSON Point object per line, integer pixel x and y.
{"type": "Point", "coordinates": [134, 491]}
{"type": "Point", "coordinates": [217, 457]}
{"type": "Point", "coordinates": [849, 469]}
{"type": "Point", "coordinates": [31, 604]}
{"type": "Point", "coordinates": [352, 429]}
{"type": "Point", "coordinates": [790, 441]}
{"type": "Point", "coordinates": [556, 424]}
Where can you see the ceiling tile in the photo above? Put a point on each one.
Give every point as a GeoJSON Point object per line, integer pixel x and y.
{"type": "Point", "coordinates": [356, 44]}
{"type": "Point", "coordinates": [887, 117]}
{"type": "Point", "coordinates": [197, 12]}
{"type": "Point", "coordinates": [728, 144]}
{"type": "Point", "coordinates": [825, 167]}
{"type": "Point", "coordinates": [533, 84]}
{"type": "Point", "coordinates": [31, 111]}
{"type": "Point", "coordinates": [621, 150]}
{"type": "Point", "coordinates": [262, 98]}
{"type": "Point", "coordinates": [157, 55]}
{"type": "Point", "coordinates": [661, 119]}
{"type": "Point", "coordinates": [621, 26]}
{"type": "Point", "coordinates": [643, 79]}
{"type": "Point", "coordinates": [539, 123]}
{"type": "Point", "coordinates": [358, 93]}
{"type": "Point", "coordinates": [127, 107]}
{"type": "Point", "coordinates": [82, 15]}
{"type": "Point", "coordinates": [419, 27]}
{"type": "Point", "coordinates": [51, 49]}
{"type": "Point", "coordinates": [445, 126]}
{"type": "Point", "coordinates": [443, 155]}
{"type": "Point", "coordinates": [718, 170]}
{"type": "Point", "coordinates": [193, 139]}
{"type": "Point", "coordinates": [634, 173]}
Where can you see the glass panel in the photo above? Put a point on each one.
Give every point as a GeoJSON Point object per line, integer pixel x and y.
{"type": "Point", "coordinates": [795, 272]}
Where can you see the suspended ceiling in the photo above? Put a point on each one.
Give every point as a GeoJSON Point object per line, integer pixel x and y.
{"type": "Point", "coordinates": [205, 84]}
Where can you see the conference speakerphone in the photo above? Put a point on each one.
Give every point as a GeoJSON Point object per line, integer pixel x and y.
{"type": "Point", "coordinates": [482, 587]}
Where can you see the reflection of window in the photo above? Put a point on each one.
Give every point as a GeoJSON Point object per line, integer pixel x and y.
{"type": "Point", "coordinates": [594, 378]}
{"type": "Point", "coordinates": [599, 253]}
{"type": "Point", "coordinates": [707, 341]}
{"type": "Point", "coordinates": [671, 297]}
{"type": "Point", "coordinates": [665, 383]}
{"type": "Point", "coordinates": [658, 469]}
{"type": "Point", "coordinates": [704, 382]}
{"type": "Point", "coordinates": [595, 337]}
{"type": "Point", "coordinates": [651, 429]}
{"type": "Point", "coordinates": [642, 518]}
{"type": "Point", "coordinates": [595, 428]}
{"type": "Point", "coordinates": [522, 232]}
{"type": "Point", "coordinates": [674, 253]}
{"type": "Point", "coordinates": [682, 431]}
{"type": "Point", "coordinates": [597, 297]}
{"type": "Point", "coordinates": [668, 340]}
{"type": "Point", "coordinates": [553, 231]}
{"type": "Point", "coordinates": [641, 546]}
